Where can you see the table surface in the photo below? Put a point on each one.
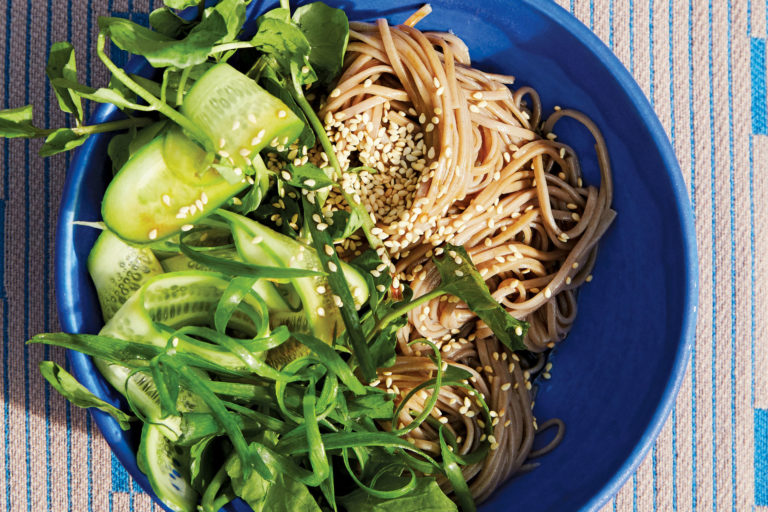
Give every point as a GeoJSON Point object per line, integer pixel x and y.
{"type": "Point", "coordinates": [703, 67]}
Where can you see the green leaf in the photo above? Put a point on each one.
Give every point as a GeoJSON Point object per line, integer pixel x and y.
{"type": "Point", "coordinates": [233, 13]}
{"type": "Point", "coordinates": [168, 23]}
{"type": "Point", "coordinates": [425, 497]}
{"type": "Point", "coordinates": [464, 281]}
{"type": "Point", "coordinates": [17, 122]}
{"type": "Point", "coordinates": [63, 139]}
{"type": "Point", "coordinates": [308, 176]}
{"type": "Point", "coordinates": [78, 394]}
{"type": "Point", "coordinates": [285, 494]}
{"type": "Point", "coordinates": [327, 30]}
{"type": "Point", "coordinates": [61, 64]}
{"type": "Point", "coordinates": [118, 149]}
{"type": "Point", "coordinates": [161, 50]}
{"type": "Point", "coordinates": [277, 86]}
{"type": "Point", "coordinates": [286, 43]}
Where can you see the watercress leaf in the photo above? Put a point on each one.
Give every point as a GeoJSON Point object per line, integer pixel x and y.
{"type": "Point", "coordinates": [233, 13]}
{"type": "Point", "coordinates": [327, 30]}
{"type": "Point", "coordinates": [17, 122]}
{"type": "Point", "coordinates": [464, 281]}
{"type": "Point", "coordinates": [168, 23]}
{"type": "Point", "coordinates": [308, 176]}
{"type": "Point", "coordinates": [379, 281]}
{"type": "Point", "coordinates": [285, 494]}
{"type": "Point", "coordinates": [63, 139]}
{"type": "Point", "coordinates": [78, 394]}
{"type": "Point", "coordinates": [119, 149]}
{"type": "Point", "coordinates": [425, 497]}
{"type": "Point", "coordinates": [286, 43]}
{"type": "Point", "coordinates": [61, 64]}
{"type": "Point", "coordinates": [161, 50]}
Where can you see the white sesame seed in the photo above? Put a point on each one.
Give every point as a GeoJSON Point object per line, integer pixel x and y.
{"type": "Point", "coordinates": [320, 312]}
{"type": "Point", "coordinates": [252, 118]}
{"type": "Point", "coordinates": [519, 330]}
{"type": "Point", "coordinates": [152, 234]}
{"type": "Point", "coordinates": [281, 114]}
{"type": "Point", "coordinates": [335, 93]}
{"type": "Point", "coordinates": [332, 266]}
{"type": "Point", "coordinates": [589, 278]}
{"type": "Point", "coordinates": [286, 175]}
{"type": "Point", "coordinates": [166, 199]}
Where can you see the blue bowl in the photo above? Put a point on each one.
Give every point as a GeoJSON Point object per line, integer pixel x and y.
{"type": "Point", "coordinates": [616, 376]}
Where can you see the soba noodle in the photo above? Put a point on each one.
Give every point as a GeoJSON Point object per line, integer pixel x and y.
{"type": "Point", "coordinates": [442, 152]}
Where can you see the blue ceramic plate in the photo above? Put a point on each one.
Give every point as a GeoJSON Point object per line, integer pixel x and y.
{"type": "Point", "coordinates": [616, 376]}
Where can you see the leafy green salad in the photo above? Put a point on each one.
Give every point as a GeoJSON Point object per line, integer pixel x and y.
{"type": "Point", "coordinates": [245, 341]}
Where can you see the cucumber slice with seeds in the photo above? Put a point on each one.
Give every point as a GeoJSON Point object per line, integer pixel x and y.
{"type": "Point", "coordinates": [239, 116]}
{"type": "Point", "coordinates": [162, 188]}
{"type": "Point", "coordinates": [167, 468]}
{"type": "Point", "coordinates": [118, 270]}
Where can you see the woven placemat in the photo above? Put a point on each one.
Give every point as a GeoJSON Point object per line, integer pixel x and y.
{"type": "Point", "coordinates": [702, 64]}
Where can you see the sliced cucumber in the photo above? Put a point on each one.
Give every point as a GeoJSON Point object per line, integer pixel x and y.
{"type": "Point", "coordinates": [240, 117]}
{"type": "Point", "coordinates": [175, 299]}
{"type": "Point", "coordinates": [164, 186]}
{"type": "Point", "coordinates": [118, 270]}
{"type": "Point", "coordinates": [167, 468]}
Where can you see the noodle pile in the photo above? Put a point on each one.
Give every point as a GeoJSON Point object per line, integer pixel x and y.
{"type": "Point", "coordinates": [442, 152]}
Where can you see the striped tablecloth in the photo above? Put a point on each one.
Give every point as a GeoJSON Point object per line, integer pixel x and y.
{"type": "Point", "coordinates": [702, 64]}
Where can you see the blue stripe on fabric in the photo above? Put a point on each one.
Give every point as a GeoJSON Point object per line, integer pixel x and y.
{"type": "Point", "coordinates": [694, 454]}
{"type": "Point", "coordinates": [673, 134]}
{"type": "Point", "coordinates": [732, 214]}
{"type": "Point", "coordinates": [757, 68]}
{"type": "Point", "coordinates": [592, 15]}
{"type": "Point", "coordinates": [6, 378]}
{"type": "Point", "coordinates": [713, 195]}
{"type": "Point", "coordinates": [120, 479]}
{"type": "Point", "coordinates": [610, 22]}
{"type": "Point", "coordinates": [752, 271]}
{"type": "Point", "coordinates": [632, 36]}
{"type": "Point", "coordinates": [761, 457]}
{"type": "Point", "coordinates": [651, 94]}
{"type": "Point", "coordinates": [28, 235]}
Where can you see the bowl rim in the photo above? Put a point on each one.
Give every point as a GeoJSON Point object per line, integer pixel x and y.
{"type": "Point", "coordinates": [66, 304]}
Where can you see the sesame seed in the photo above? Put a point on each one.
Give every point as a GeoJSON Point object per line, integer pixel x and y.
{"type": "Point", "coordinates": [304, 70]}
{"type": "Point", "coordinates": [252, 118]}
{"type": "Point", "coordinates": [320, 312]}
{"type": "Point", "coordinates": [474, 109]}
{"type": "Point", "coordinates": [320, 289]}
{"type": "Point", "coordinates": [576, 216]}
{"type": "Point", "coordinates": [281, 114]}
{"type": "Point", "coordinates": [335, 93]}
{"type": "Point", "coordinates": [223, 154]}
{"type": "Point", "coordinates": [376, 382]}
{"type": "Point", "coordinates": [568, 280]}
{"type": "Point", "coordinates": [440, 91]}
{"type": "Point", "coordinates": [310, 182]}
{"type": "Point", "coordinates": [589, 278]}
{"type": "Point", "coordinates": [152, 234]}
{"type": "Point", "coordinates": [506, 386]}
{"type": "Point", "coordinates": [458, 273]}
{"type": "Point", "coordinates": [166, 199]}
{"type": "Point", "coordinates": [222, 143]}
{"type": "Point", "coordinates": [381, 288]}
{"type": "Point", "coordinates": [328, 250]}
{"type": "Point", "coordinates": [286, 175]}
{"type": "Point", "coordinates": [332, 266]}
{"type": "Point", "coordinates": [547, 292]}
{"type": "Point", "coordinates": [238, 171]}
{"type": "Point", "coordinates": [245, 152]}
{"type": "Point", "coordinates": [187, 227]}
